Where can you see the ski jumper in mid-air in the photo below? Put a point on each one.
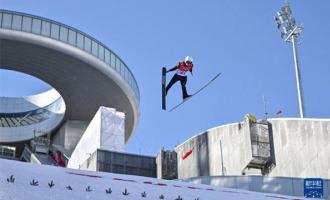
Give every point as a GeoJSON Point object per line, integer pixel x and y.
{"type": "Point", "coordinates": [181, 75]}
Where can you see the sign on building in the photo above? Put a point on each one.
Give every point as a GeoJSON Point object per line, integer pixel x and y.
{"type": "Point", "coordinates": [313, 188]}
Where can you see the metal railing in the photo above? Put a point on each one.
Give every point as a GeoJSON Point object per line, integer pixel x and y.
{"type": "Point", "coordinates": [48, 28]}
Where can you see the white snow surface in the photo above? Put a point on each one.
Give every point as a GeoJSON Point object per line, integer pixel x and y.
{"type": "Point", "coordinates": [79, 180]}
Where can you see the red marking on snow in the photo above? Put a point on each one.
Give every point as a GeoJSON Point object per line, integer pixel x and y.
{"type": "Point", "coordinates": [276, 197]}
{"type": "Point", "coordinates": [234, 192]}
{"type": "Point", "coordinates": [194, 188]}
{"type": "Point", "coordinates": [127, 180]}
{"type": "Point", "coordinates": [177, 186]}
{"type": "Point", "coordinates": [161, 184]}
{"type": "Point", "coordinates": [151, 183]}
{"type": "Point", "coordinates": [187, 154]}
{"type": "Point", "coordinates": [91, 176]}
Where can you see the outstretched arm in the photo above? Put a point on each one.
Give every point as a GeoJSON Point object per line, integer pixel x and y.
{"type": "Point", "coordinates": [172, 69]}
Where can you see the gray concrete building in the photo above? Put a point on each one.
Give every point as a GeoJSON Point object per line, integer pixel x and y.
{"type": "Point", "coordinates": [85, 75]}
{"type": "Point", "coordinates": [273, 156]}
{"type": "Point", "coordinates": [287, 147]}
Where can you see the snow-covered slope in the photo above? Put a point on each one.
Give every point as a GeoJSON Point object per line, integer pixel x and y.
{"type": "Point", "coordinates": [93, 185]}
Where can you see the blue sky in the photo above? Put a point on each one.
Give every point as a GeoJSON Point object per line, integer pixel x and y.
{"type": "Point", "coordinates": [238, 38]}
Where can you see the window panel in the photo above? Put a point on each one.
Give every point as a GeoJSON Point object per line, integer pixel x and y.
{"type": "Point", "coordinates": [94, 48]}
{"type": "Point", "coordinates": [80, 41]}
{"type": "Point", "coordinates": [6, 20]}
{"type": "Point", "coordinates": [55, 31]}
{"type": "Point", "coordinates": [88, 44]}
{"type": "Point", "coordinates": [63, 34]}
{"type": "Point", "coordinates": [27, 23]}
{"type": "Point", "coordinates": [36, 26]}
{"type": "Point", "coordinates": [107, 56]}
{"type": "Point", "coordinates": [113, 60]}
{"type": "Point", "coordinates": [117, 64]}
{"type": "Point", "coordinates": [45, 28]}
{"type": "Point", "coordinates": [0, 19]}
{"type": "Point", "coordinates": [125, 71]}
{"type": "Point", "coordinates": [101, 52]}
{"type": "Point", "coordinates": [17, 22]}
{"type": "Point", "coordinates": [129, 79]}
{"type": "Point", "coordinates": [72, 37]}
{"type": "Point", "coordinates": [122, 70]}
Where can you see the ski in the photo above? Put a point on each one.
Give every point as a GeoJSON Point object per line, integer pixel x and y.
{"type": "Point", "coordinates": [198, 91]}
{"type": "Point", "coordinates": [163, 88]}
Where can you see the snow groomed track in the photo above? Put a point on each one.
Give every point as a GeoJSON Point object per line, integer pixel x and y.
{"type": "Point", "coordinates": [38, 182]}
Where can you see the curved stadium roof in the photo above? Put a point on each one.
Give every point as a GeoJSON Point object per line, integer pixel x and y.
{"type": "Point", "coordinates": [84, 71]}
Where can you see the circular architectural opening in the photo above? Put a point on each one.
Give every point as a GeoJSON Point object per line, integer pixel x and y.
{"type": "Point", "coordinates": [29, 107]}
{"type": "Point", "coordinates": [18, 84]}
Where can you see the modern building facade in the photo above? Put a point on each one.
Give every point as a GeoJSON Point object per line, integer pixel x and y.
{"type": "Point", "coordinates": [254, 155]}
{"type": "Point", "coordinates": [121, 163]}
{"type": "Point", "coordinates": [84, 73]}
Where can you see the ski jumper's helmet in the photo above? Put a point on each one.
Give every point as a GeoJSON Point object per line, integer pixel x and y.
{"type": "Point", "coordinates": [188, 59]}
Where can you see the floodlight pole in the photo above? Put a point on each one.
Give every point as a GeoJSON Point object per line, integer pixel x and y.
{"type": "Point", "coordinates": [290, 32]}
{"type": "Point", "coordinates": [298, 80]}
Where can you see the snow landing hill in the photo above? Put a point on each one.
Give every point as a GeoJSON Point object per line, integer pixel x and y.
{"type": "Point", "coordinates": [26, 181]}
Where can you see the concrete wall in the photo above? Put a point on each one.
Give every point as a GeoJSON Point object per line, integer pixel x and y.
{"type": "Point", "coordinates": [69, 135]}
{"type": "Point", "coordinates": [235, 152]}
{"type": "Point", "coordinates": [301, 148]}
{"type": "Point", "coordinates": [278, 185]}
{"type": "Point", "coordinates": [90, 163]}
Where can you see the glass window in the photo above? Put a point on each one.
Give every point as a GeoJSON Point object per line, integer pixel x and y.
{"type": "Point", "coordinates": [27, 23]}
{"type": "Point", "coordinates": [126, 73]}
{"type": "Point", "coordinates": [129, 79]}
{"type": "Point", "coordinates": [122, 70]}
{"type": "Point", "coordinates": [17, 22]}
{"type": "Point", "coordinates": [55, 31]}
{"type": "Point", "coordinates": [45, 30]}
{"type": "Point", "coordinates": [88, 44]}
{"type": "Point", "coordinates": [101, 52]}
{"type": "Point", "coordinates": [36, 26]}
{"type": "Point", "coordinates": [107, 56]}
{"type": "Point", "coordinates": [72, 37]}
{"type": "Point", "coordinates": [0, 19]}
{"type": "Point", "coordinates": [6, 21]}
{"type": "Point", "coordinates": [80, 41]}
{"type": "Point", "coordinates": [113, 60]}
{"type": "Point", "coordinates": [94, 48]}
{"type": "Point", "coordinates": [63, 34]}
{"type": "Point", "coordinates": [117, 64]}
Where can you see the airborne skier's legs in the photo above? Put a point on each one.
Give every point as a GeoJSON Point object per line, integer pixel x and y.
{"type": "Point", "coordinates": [183, 80]}
{"type": "Point", "coordinates": [174, 79]}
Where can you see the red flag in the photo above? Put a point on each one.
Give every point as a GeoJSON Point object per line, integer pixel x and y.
{"type": "Point", "coordinates": [278, 112]}
{"type": "Point", "coordinates": [187, 154]}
